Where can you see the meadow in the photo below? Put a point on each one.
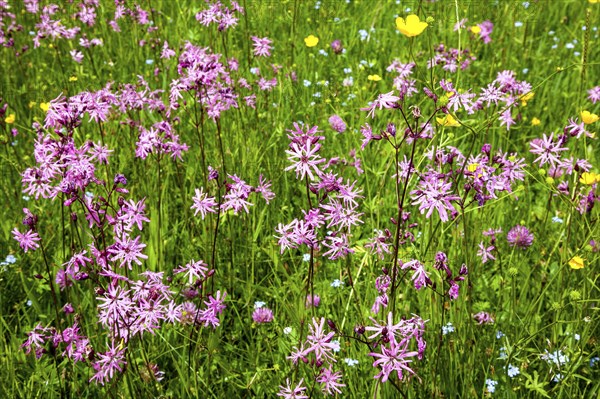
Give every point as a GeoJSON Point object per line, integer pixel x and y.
{"type": "Point", "coordinates": [299, 199]}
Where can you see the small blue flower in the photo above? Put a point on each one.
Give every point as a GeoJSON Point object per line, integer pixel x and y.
{"type": "Point", "coordinates": [491, 385]}
{"type": "Point", "coordinates": [513, 371]}
{"type": "Point", "coordinates": [350, 362]}
{"type": "Point", "coordinates": [337, 283]}
{"type": "Point", "coordinates": [448, 328]}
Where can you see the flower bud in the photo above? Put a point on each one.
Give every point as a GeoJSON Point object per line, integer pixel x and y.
{"type": "Point", "coordinates": [337, 47]}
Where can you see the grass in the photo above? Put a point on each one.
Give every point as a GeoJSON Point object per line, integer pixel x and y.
{"type": "Point", "coordinates": [543, 309]}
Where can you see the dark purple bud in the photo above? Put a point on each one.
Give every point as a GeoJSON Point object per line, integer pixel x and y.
{"type": "Point", "coordinates": [331, 324]}
{"type": "Point", "coordinates": [391, 129]}
{"type": "Point", "coordinates": [121, 201]}
{"type": "Point", "coordinates": [190, 293]}
{"type": "Point", "coordinates": [486, 149]}
{"type": "Point", "coordinates": [430, 94]}
{"type": "Point", "coordinates": [385, 270]}
{"type": "Point", "coordinates": [359, 329]}
{"type": "Point", "coordinates": [38, 276]}
{"type": "Point", "coordinates": [81, 276]}
{"type": "Point", "coordinates": [99, 291]}
{"type": "Point", "coordinates": [122, 190]}
{"type": "Point", "coordinates": [73, 216]}
{"type": "Point", "coordinates": [120, 179]}
{"type": "Point", "coordinates": [463, 270]}
{"type": "Point", "coordinates": [210, 273]}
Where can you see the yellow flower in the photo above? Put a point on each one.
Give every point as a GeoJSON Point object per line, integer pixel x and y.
{"type": "Point", "coordinates": [526, 97]}
{"type": "Point", "coordinates": [475, 29]}
{"type": "Point", "coordinates": [31, 104]}
{"type": "Point", "coordinates": [472, 167]}
{"type": "Point", "coordinates": [375, 78]}
{"type": "Point", "coordinates": [448, 120]}
{"type": "Point", "coordinates": [587, 117]}
{"type": "Point", "coordinates": [576, 262]}
{"type": "Point", "coordinates": [535, 121]}
{"type": "Point", "coordinates": [73, 79]}
{"type": "Point", "coordinates": [311, 41]}
{"type": "Point", "coordinates": [589, 178]}
{"type": "Point", "coordinates": [45, 106]}
{"type": "Point", "coordinates": [412, 26]}
{"type": "Point", "coordinates": [10, 119]}
{"type": "Point", "coordinates": [594, 1]}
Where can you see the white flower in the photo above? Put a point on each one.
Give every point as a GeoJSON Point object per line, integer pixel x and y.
{"type": "Point", "coordinates": [335, 345]}
{"type": "Point", "coordinates": [259, 304]}
{"type": "Point", "coordinates": [512, 371]}
{"type": "Point", "coordinates": [491, 385]}
{"type": "Point", "coordinates": [448, 328]}
{"type": "Point", "coordinates": [337, 283]}
{"type": "Point", "coordinates": [350, 362]}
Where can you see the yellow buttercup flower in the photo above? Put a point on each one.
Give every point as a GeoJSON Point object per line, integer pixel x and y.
{"type": "Point", "coordinates": [311, 41]}
{"type": "Point", "coordinates": [594, 1]}
{"type": "Point", "coordinates": [448, 120]}
{"type": "Point", "coordinates": [576, 262]}
{"type": "Point", "coordinates": [375, 78]}
{"type": "Point", "coordinates": [10, 119]}
{"type": "Point", "coordinates": [45, 106]}
{"type": "Point", "coordinates": [472, 167]}
{"type": "Point", "coordinates": [526, 97]}
{"type": "Point", "coordinates": [589, 178]}
{"type": "Point", "coordinates": [73, 78]}
{"type": "Point", "coordinates": [475, 29]}
{"type": "Point", "coordinates": [412, 26]}
{"type": "Point", "coordinates": [535, 121]}
{"type": "Point", "coordinates": [587, 117]}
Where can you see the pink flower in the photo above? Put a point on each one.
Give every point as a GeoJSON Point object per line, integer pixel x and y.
{"type": "Point", "coordinates": [337, 123]}
{"type": "Point", "coordinates": [395, 358]}
{"type": "Point", "coordinates": [203, 204]}
{"type": "Point", "coordinates": [108, 364]}
{"type": "Point", "coordinates": [287, 392]}
{"type": "Point", "coordinates": [28, 240]}
{"type": "Point", "coordinates": [305, 159]}
{"type": "Point", "coordinates": [262, 315]}
{"type": "Point", "coordinates": [262, 46]}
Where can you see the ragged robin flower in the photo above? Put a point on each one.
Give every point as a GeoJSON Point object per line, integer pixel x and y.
{"type": "Point", "coordinates": [412, 26]}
